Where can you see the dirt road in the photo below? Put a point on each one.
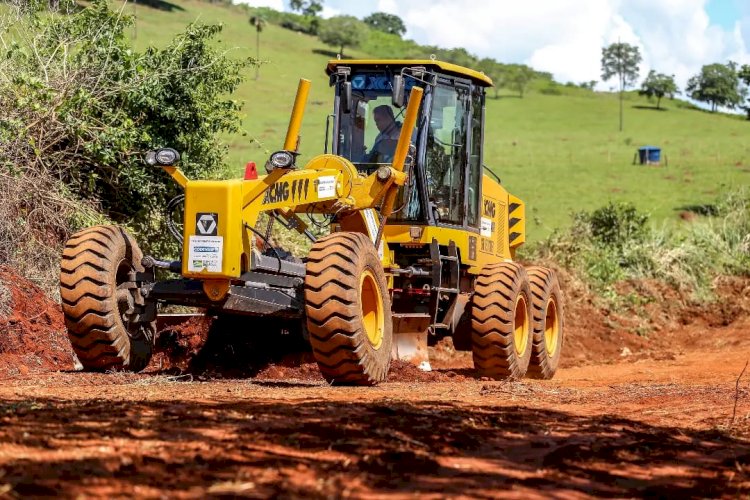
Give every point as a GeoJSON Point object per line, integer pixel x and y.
{"type": "Point", "coordinates": [635, 427]}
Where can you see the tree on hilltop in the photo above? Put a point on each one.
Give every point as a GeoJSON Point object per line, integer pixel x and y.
{"type": "Point", "coordinates": [718, 85]}
{"type": "Point", "coordinates": [387, 23]}
{"type": "Point", "coordinates": [658, 85]}
{"type": "Point", "coordinates": [307, 7]}
{"type": "Point", "coordinates": [342, 31]}
{"type": "Point", "coordinates": [258, 22]}
{"type": "Point", "coordinates": [518, 77]}
{"type": "Point", "coordinates": [744, 75]}
{"type": "Point", "coordinates": [621, 60]}
{"type": "Point", "coordinates": [495, 71]}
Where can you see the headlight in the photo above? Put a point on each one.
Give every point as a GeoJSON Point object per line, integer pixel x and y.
{"type": "Point", "coordinates": [167, 156]}
{"type": "Point", "coordinates": [164, 157]}
{"type": "Point", "coordinates": [280, 159]}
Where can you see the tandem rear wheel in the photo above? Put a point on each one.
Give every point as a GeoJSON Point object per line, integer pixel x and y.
{"type": "Point", "coordinates": [516, 322]}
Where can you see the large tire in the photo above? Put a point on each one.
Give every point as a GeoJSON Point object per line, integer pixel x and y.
{"type": "Point", "coordinates": [501, 322]}
{"type": "Point", "coordinates": [547, 322]}
{"type": "Point", "coordinates": [110, 325]}
{"type": "Point", "coordinates": [348, 310]}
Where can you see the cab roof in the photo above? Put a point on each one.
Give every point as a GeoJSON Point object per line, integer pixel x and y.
{"type": "Point", "coordinates": [476, 76]}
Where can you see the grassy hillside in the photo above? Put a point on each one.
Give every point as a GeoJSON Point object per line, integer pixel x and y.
{"type": "Point", "coordinates": [560, 153]}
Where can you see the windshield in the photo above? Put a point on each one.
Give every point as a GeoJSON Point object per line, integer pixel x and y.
{"type": "Point", "coordinates": [368, 135]}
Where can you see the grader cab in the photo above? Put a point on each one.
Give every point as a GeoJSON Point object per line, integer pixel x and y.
{"type": "Point", "coordinates": [421, 242]}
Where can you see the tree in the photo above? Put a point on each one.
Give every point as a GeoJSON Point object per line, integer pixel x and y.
{"type": "Point", "coordinates": [717, 84]}
{"type": "Point", "coordinates": [258, 22]}
{"type": "Point", "coordinates": [495, 71]}
{"type": "Point", "coordinates": [387, 23]}
{"type": "Point", "coordinates": [621, 60]}
{"type": "Point", "coordinates": [744, 75]}
{"type": "Point", "coordinates": [342, 31]}
{"type": "Point", "coordinates": [307, 7]}
{"type": "Point", "coordinates": [658, 85]}
{"type": "Point", "coordinates": [518, 78]}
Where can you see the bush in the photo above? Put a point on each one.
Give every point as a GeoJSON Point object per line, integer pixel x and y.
{"type": "Point", "coordinates": [79, 109]}
{"type": "Point", "coordinates": [616, 243]}
{"type": "Point", "coordinates": [80, 105]}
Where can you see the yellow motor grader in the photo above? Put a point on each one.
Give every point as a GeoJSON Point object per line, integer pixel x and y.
{"type": "Point", "coordinates": [421, 241]}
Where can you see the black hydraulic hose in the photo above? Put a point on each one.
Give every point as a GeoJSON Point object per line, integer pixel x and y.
{"type": "Point", "coordinates": [172, 226]}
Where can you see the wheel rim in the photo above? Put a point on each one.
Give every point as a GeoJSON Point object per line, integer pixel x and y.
{"type": "Point", "coordinates": [551, 327]}
{"type": "Point", "coordinates": [521, 325]}
{"type": "Point", "coordinates": [373, 319]}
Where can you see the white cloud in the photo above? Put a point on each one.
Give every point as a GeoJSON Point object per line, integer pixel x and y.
{"type": "Point", "coordinates": [274, 4]}
{"type": "Point", "coordinates": [329, 12]}
{"type": "Point", "coordinates": [565, 38]}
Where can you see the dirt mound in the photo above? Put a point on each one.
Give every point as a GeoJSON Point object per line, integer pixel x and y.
{"type": "Point", "coordinates": [32, 329]}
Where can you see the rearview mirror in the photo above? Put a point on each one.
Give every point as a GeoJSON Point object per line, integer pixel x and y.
{"type": "Point", "coordinates": [346, 96]}
{"type": "Point", "coordinates": [398, 91]}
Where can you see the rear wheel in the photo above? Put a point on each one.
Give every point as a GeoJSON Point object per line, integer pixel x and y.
{"type": "Point", "coordinates": [110, 325]}
{"type": "Point", "coordinates": [547, 322]}
{"type": "Point", "coordinates": [501, 322]}
{"type": "Point", "coordinates": [348, 310]}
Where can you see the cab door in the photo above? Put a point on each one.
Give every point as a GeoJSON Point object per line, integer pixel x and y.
{"type": "Point", "coordinates": [447, 154]}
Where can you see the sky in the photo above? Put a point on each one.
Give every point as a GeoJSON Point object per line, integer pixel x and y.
{"type": "Point", "coordinates": [565, 37]}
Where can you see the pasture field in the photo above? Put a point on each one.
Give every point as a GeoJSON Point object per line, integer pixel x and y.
{"type": "Point", "coordinates": [560, 153]}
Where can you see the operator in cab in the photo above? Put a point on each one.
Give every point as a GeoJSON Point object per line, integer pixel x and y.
{"type": "Point", "coordinates": [384, 147]}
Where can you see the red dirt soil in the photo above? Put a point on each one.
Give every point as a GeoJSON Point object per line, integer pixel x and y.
{"type": "Point", "coordinates": [648, 403]}
{"type": "Point", "coordinates": [32, 338]}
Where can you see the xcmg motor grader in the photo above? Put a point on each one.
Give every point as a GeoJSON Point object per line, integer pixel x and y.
{"type": "Point", "coordinates": [421, 244]}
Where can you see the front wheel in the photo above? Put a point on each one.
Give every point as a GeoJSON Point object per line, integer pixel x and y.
{"type": "Point", "coordinates": [348, 310]}
{"type": "Point", "coordinates": [110, 324]}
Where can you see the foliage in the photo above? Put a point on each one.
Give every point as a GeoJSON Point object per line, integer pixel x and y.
{"type": "Point", "coordinates": [518, 77]}
{"type": "Point", "coordinates": [81, 106]}
{"type": "Point", "coordinates": [615, 243]}
{"type": "Point", "coordinates": [387, 23]}
{"type": "Point", "coordinates": [658, 85]}
{"type": "Point", "coordinates": [717, 84]}
{"type": "Point", "coordinates": [307, 7]}
{"type": "Point", "coordinates": [744, 75]}
{"type": "Point", "coordinates": [259, 23]}
{"type": "Point", "coordinates": [343, 31]}
{"type": "Point", "coordinates": [621, 60]}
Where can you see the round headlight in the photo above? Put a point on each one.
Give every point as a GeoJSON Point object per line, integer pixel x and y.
{"type": "Point", "coordinates": [167, 156]}
{"type": "Point", "coordinates": [282, 159]}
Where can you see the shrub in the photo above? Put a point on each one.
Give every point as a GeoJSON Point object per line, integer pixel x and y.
{"type": "Point", "coordinates": [81, 105]}
{"type": "Point", "coordinates": [616, 243]}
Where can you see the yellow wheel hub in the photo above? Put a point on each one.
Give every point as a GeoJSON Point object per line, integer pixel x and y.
{"type": "Point", "coordinates": [521, 324]}
{"type": "Point", "coordinates": [551, 327]}
{"type": "Point", "coordinates": [373, 316]}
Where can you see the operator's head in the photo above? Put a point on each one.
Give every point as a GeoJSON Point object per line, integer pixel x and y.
{"type": "Point", "coordinates": [383, 116]}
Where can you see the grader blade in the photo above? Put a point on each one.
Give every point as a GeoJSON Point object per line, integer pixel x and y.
{"type": "Point", "coordinates": [410, 339]}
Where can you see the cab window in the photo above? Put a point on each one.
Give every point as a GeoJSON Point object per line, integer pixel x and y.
{"type": "Point", "coordinates": [446, 155]}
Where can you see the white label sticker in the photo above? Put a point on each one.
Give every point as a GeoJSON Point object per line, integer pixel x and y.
{"type": "Point", "coordinates": [326, 186]}
{"type": "Point", "coordinates": [486, 227]}
{"type": "Point", "coordinates": [372, 228]}
{"type": "Point", "coordinates": [205, 253]}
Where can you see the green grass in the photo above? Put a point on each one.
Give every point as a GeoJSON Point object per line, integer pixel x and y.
{"type": "Point", "coordinates": [559, 153]}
